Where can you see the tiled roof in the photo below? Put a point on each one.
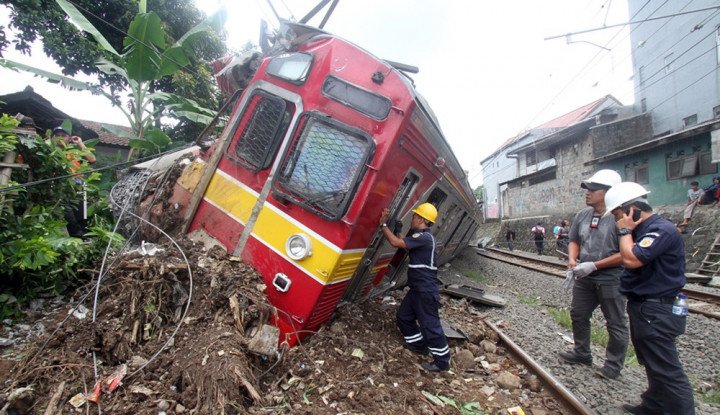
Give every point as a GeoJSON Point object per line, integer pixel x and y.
{"type": "Point", "coordinates": [558, 123]}
{"type": "Point", "coordinates": [106, 137]}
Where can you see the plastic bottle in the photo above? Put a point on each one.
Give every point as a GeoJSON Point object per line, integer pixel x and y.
{"type": "Point", "coordinates": [680, 307]}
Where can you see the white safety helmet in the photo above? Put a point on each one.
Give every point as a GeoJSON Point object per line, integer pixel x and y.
{"type": "Point", "coordinates": [602, 179]}
{"type": "Point", "coordinates": [623, 194]}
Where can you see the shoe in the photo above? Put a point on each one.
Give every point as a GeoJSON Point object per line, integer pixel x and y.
{"type": "Point", "coordinates": [574, 358]}
{"type": "Point", "coordinates": [606, 373]}
{"type": "Point", "coordinates": [638, 410]}
{"type": "Point", "coordinates": [422, 351]}
{"type": "Point", "coordinates": [432, 367]}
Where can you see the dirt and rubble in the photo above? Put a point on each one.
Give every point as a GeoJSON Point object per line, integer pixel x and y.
{"type": "Point", "coordinates": [203, 363]}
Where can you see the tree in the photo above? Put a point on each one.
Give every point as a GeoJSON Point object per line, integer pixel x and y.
{"type": "Point", "coordinates": [479, 193]}
{"type": "Point", "coordinates": [76, 51]}
{"type": "Point", "coordinates": [146, 59]}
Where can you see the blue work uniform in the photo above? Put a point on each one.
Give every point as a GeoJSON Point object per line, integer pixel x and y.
{"type": "Point", "coordinates": [651, 290]}
{"type": "Point", "coordinates": [422, 303]}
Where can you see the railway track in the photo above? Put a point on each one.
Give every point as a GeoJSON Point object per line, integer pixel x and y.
{"type": "Point", "coordinates": [701, 302]}
{"type": "Point", "coordinates": [566, 398]}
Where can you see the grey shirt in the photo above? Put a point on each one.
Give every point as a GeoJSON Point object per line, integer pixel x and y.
{"type": "Point", "coordinates": [596, 243]}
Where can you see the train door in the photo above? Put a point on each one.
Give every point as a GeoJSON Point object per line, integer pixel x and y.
{"type": "Point", "coordinates": [379, 252]}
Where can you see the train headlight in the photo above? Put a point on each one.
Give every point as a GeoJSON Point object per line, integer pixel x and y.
{"type": "Point", "coordinates": [298, 246]}
{"type": "Point", "coordinates": [293, 67]}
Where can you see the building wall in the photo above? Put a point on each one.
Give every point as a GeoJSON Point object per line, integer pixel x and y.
{"type": "Point", "coordinates": [557, 196]}
{"type": "Point", "coordinates": [499, 169]}
{"type": "Point", "coordinates": [615, 136]}
{"type": "Point", "coordinates": [664, 191]}
{"type": "Point", "coordinates": [676, 63]}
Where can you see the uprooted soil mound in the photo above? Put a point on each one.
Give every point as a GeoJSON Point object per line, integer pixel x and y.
{"type": "Point", "coordinates": [198, 361]}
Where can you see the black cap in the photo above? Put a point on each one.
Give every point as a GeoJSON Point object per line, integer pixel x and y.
{"type": "Point", "coordinates": [59, 129]}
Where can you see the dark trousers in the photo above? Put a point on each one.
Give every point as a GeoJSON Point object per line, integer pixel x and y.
{"type": "Point", "coordinates": [539, 246]}
{"type": "Point", "coordinates": [653, 329]}
{"type": "Point", "coordinates": [74, 216]}
{"type": "Point", "coordinates": [419, 322]}
{"type": "Point", "coordinates": [587, 295]}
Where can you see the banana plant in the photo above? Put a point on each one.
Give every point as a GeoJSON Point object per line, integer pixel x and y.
{"type": "Point", "coordinates": [146, 57]}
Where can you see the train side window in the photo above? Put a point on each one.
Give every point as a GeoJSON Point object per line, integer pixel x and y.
{"type": "Point", "coordinates": [324, 165]}
{"type": "Point", "coordinates": [437, 197]}
{"type": "Point", "coordinates": [262, 131]}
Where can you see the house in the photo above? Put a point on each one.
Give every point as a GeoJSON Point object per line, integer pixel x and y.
{"type": "Point", "coordinates": [531, 157]}
{"type": "Point", "coordinates": [677, 86]}
{"type": "Point", "coordinates": [47, 117]}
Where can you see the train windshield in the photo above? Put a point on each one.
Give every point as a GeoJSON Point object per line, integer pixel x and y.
{"type": "Point", "coordinates": [322, 169]}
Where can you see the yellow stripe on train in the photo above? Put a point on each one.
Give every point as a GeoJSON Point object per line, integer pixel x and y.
{"type": "Point", "coordinates": [328, 264]}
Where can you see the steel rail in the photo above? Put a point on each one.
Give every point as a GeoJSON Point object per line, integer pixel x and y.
{"type": "Point", "coordinates": [553, 268]}
{"type": "Point", "coordinates": [555, 385]}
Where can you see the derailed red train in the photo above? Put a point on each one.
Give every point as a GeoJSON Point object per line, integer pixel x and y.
{"type": "Point", "coordinates": [322, 139]}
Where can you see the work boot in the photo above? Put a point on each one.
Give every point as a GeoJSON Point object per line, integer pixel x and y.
{"type": "Point", "coordinates": [574, 358]}
{"type": "Point", "coordinates": [432, 367]}
{"type": "Point", "coordinates": [607, 373]}
{"type": "Point", "coordinates": [422, 351]}
{"type": "Point", "coordinates": [639, 410]}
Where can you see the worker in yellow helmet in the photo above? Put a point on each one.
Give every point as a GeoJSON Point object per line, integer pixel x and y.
{"type": "Point", "coordinates": [422, 303]}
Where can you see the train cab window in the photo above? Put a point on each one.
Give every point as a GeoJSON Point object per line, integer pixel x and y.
{"type": "Point", "coordinates": [324, 165]}
{"type": "Point", "coordinates": [371, 104]}
{"type": "Point", "coordinates": [262, 131]}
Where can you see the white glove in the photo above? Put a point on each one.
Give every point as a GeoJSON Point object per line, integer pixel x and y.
{"type": "Point", "coordinates": [569, 279]}
{"type": "Point", "coordinates": [584, 269]}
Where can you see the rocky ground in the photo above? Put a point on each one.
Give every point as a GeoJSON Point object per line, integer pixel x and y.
{"type": "Point", "coordinates": [172, 362]}
{"type": "Point", "coordinates": [354, 365]}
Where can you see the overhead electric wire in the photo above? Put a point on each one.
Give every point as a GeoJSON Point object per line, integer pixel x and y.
{"type": "Point", "coordinates": [649, 19]}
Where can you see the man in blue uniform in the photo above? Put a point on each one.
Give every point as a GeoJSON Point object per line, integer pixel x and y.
{"type": "Point", "coordinates": [595, 261]}
{"type": "Point", "coordinates": [653, 254]}
{"type": "Point", "coordinates": [418, 316]}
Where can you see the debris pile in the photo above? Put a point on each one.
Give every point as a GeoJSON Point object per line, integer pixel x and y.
{"type": "Point", "coordinates": [153, 357]}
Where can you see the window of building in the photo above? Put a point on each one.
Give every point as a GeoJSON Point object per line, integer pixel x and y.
{"type": "Point", "coordinates": [637, 172]}
{"type": "Point", "coordinates": [706, 164]}
{"type": "Point", "coordinates": [683, 166]}
{"type": "Point", "coordinates": [691, 120]}
{"type": "Point", "coordinates": [716, 111]}
{"type": "Point", "coordinates": [530, 158]}
{"type": "Point", "coordinates": [643, 105]}
{"type": "Point", "coordinates": [668, 63]}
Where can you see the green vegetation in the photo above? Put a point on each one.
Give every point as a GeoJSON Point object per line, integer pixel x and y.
{"type": "Point", "coordinates": [598, 334]}
{"type": "Point", "coordinates": [477, 276]}
{"type": "Point", "coordinates": [36, 254]}
{"type": "Point", "coordinates": [526, 299]}
{"type": "Point", "coordinates": [712, 395]}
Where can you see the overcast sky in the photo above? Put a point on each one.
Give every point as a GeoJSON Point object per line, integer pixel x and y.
{"type": "Point", "coordinates": [485, 67]}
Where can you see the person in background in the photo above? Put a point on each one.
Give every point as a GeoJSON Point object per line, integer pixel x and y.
{"type": "Point", "coordinates": [653, 255]}
{"type": "Point", "coordinates": [563, 238]}
{"type": "Point", "coordinates": [694, 195]}
{"type": "Point", "coordinates": [510, 237]}
{"type": "Point", "coordinates": [594, 258]}
{"type": "Point", "coordinates": [75, 213]}
{"type": "Point", "coordinates": [538, 232]}
{"type": "Point", "coordinates": [711, 194]}
{"type": "Point", "coordinates": [422, 303]}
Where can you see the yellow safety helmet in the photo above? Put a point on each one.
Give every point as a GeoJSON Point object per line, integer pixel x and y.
{"type": "Point", "coordinates": [426, 211]}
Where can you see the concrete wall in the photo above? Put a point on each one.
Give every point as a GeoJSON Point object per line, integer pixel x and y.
{"type": "Point", "coordinates": [618, 135]}
{"type": "Point", "coordinates": [675, 62]}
